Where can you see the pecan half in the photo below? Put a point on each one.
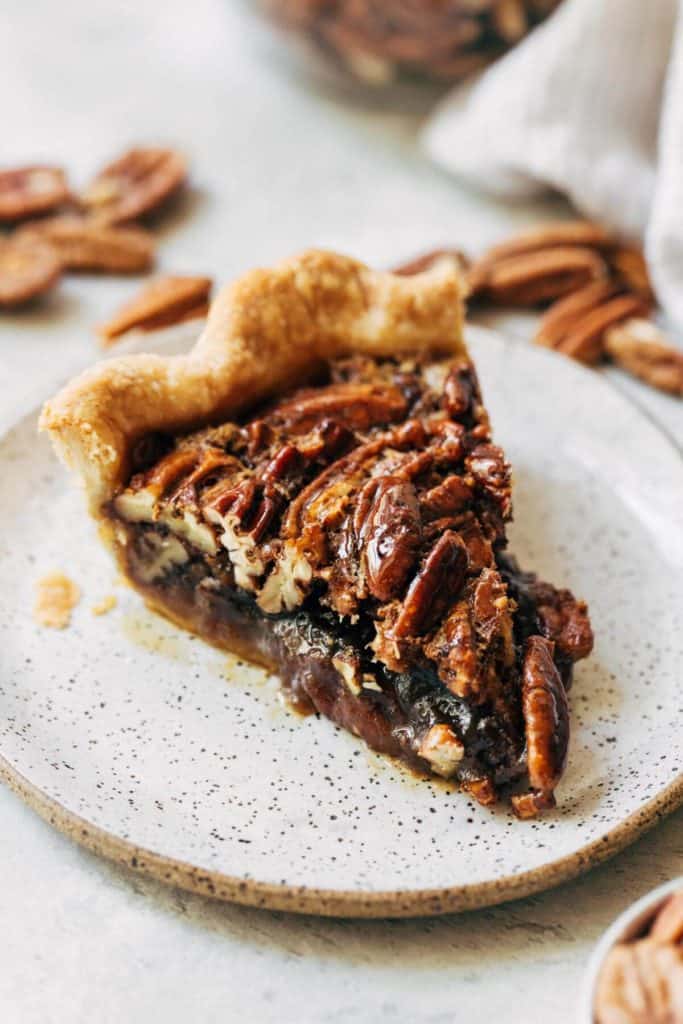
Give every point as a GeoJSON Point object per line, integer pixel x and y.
{"type": "Point", "coordinates": [287, 461]}
{"type": "Point", "coordinates": [551, 235]}
{"type": "Point", "coordinates": [135, 184]}
{"type": "Point", "coordinates": [546, 715]}
{"type": "Point", "coordinates": [629, 264]}
{"type": "Point", "coordinates": [171, 468]}
{"type": "Point", "coordinates": [392, 537]}
{"type": "Point", "coordinates": [360, 405]}
{"type": "Point", "coordinates": [28, 268]}
{"type": "Point", "coordinates": [438, 581]}
{"type": "Point", "coordinates": [584, 341]}
{"type": "Point", "coordinates": [491, 474]}
{"type": "Point", "coordinates": [164, 301]}
{"type": "Point", "coordinates": [329, 489]}
{"type": "Point", "coordinates": [458, 391]}
{"type": "Point", "coordinates": [641, 348]}
{"type": "Point", "coordinates": [532, 278]}
{"type": "Point", "coordinates": [447, 498]}
{"type": "Point", "coordinates": [565, 621]}
{"type": "Point", "coordinates": [30, 191]}
{"type": "Point", "coordinates": [563, 314]}
{"type": "Point", "coordinates": [453, 649]}
{"type": "Point", "coordinates": [82, 244]}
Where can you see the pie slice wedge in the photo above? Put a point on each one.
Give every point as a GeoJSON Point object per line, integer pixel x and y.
{"type": "Point", "coordinates": [315, 488]}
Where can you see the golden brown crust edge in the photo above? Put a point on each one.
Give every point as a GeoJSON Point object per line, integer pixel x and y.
{"type": "Point", "coordinates": [263, 333]}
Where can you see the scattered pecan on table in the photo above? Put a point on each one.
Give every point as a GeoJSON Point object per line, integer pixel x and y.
{"type": "Point", "coordinates": [97, 231]}
{"type": "Point", "coordinates": [642, 349]}
{"type": "Point", "coordinates": [593, 289]}
{"type": "Point", "coordinates": [31, 191]}
{"type": "Point", "coordinates": [135, 184]}
{"type": "Point", "coordinates": [161, 302]}
{"type": "Point", "coordinates": [27, 269]}
{"type": "Point", "coordinates": [83, 244]}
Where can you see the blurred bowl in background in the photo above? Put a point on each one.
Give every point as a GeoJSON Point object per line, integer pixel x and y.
{"type": "Point", "coordinates": [631, 924]}
{"type": "Point", "coordinates": [376, 42]}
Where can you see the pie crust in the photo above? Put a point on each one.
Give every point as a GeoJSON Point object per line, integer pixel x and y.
{"type": "Point", "coordinates": [314, 487]}
{"type": "Point", "coordinates": [263, 334]}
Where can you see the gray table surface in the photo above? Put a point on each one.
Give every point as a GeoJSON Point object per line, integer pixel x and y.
{"type": "Point", "coordinates": [276, 168]}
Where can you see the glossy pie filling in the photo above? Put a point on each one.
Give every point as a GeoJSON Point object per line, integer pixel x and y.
{"type": "Point", "coordinates": [351, 537]}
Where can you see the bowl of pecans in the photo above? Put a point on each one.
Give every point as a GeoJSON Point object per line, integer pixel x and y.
{"type": "Point", "coordinates": [635, 975]}
{"type": "Point", "coordinates": [377, 41]}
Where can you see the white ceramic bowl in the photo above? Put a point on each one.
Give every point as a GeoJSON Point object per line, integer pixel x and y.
{"type": "Point", "coordinates": [627, 926]}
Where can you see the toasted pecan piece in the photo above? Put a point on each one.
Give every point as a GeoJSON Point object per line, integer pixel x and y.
{"type": "Point", "coordinates": [641, 348]}
{"type": "Point", "coordinates": [30, 191]}
{"type": "Point", "coordinates": [435, 584]}
{"type": "Point", "coordinates": [546, 722]}
{"type": "Point", "coordinates": [28, 268]}
{"type": "Point", "coordinates": [163, 301]}
{"type": "Point", "coordinates": [83, 244]}
{"type": "Point", "coordinates": [135, 184]}
{"type": "Point", "coordinates": [530, 279]}
{"type": "Point", "coordinates": [629, 265]}
{"type": "Point", "coordinates": [564, 313]}
{"type": "Point", "coordinates": [551, 235]}
{"type": "Point", "coordinates": [391, 535]}
{"type": "Point", "coordinates": [584, 341]}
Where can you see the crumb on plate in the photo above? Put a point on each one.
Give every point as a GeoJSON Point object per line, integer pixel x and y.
{"type": "Point", "coordinates": [105, 605]}
{"type": "Point", "coordinates": [56, 596]}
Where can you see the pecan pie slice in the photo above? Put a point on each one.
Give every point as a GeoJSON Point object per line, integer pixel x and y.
{"type": "Point", "coordinates": [315, 488]}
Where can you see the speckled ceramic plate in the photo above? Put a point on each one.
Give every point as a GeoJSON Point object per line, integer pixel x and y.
{"type": "Point", "coordinates": [156, 750]}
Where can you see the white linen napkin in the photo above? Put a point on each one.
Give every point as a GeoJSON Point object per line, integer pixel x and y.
{"type": "Point", "coordinates": [590, 104]}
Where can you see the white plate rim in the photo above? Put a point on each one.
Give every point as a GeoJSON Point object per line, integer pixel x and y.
{"type": "Point", "coordinates": [345, 902]}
